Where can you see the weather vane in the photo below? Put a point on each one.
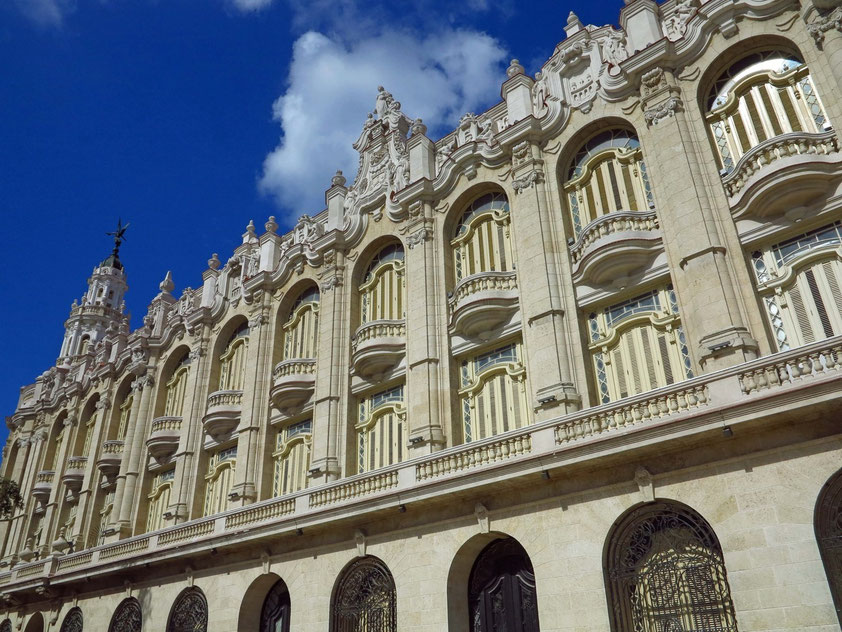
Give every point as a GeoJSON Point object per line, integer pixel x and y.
{"type": "Point", "coordinates": [118, 235]}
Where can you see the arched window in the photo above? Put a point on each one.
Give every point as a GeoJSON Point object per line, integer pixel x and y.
{"type": "Point", "coordinates": [761, 96]}
{"type": "Point", "coordinates": [159, 499]}
{"type": "Point", "coordinates": [189, 612]}
{"type": "Point", "coordinates": [638, 345]}
{"type": "Point", "coordinates": [482, 241]}
{"type": "Point", "coordinates": [664, 572]}
{"type": "Point", "coordinates": [501, 589]}
{"type": "Point", "coordinates": [127, 617]}
{"type": "Point", "coordinates": [364, 598]}
{"type": "Point", "coordinates": [607, 175]}
{"type": "Point", "coordinates": [274, 616]}
{"type": "Point", "coordinates": [72, 622]}
{"type": "Point", "coordinates": [292, 457]}
{"type": "Point", "coordinates": [799, 280]}
{"type": "Point", "coordinates": [176, 388]}
{"type": "Point", "coordinates": [381, 429]}
{"type": "Point", "coordinates": [383, 288]}
{"type": "Point", "coordinates": [828, 524]}
{"type": "Point", "coordinates": [232, 361]}
{"type": "Point", "coordinates": [219, 479]}
{"type": "Point", "coordinates": [493, 393]}
{"type": "Point", "coordinates": [301, 329]}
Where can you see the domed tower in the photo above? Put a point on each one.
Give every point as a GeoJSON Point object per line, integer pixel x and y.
{"type": "Point", "coordinates": [101, 308]}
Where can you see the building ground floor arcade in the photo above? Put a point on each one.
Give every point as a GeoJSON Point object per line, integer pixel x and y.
{"type": "Point", "coordinates": [754, 489]}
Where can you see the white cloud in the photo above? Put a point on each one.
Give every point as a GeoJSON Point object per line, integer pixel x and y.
{"type": "Point", "coordinates": [48, 13]}
{"type": "Point", "coordinates": [251, 5]}
{"type": "Point", "coordinates": [332, 86]}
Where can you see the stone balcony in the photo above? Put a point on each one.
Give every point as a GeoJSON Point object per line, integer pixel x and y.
{"type": "Point", "coordinates": [482, 302]}
{"type": "Point", "coordinates": [110, 458]}
{"type": "Point", "coordinates": [223, 414]}
{"type": "Point", "coordinates": [783, 174]}
{"type": "Point", "coordinates": [378, 346]}
{"type": "Point", "coordinates": [164, 436]}
{"type": "Point", "coordinates": [43, 485]}
{"type": "Point", "coordinates": [614, 246]}
{"type": "Point", "coordinates": [293, 382]}
{"type": "Point", "coordinates": [74, 473]}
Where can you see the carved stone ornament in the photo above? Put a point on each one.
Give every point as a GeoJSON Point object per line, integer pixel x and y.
{"type": "Point", "coordinates": [419, 237]}
{"type": "Point", "coordinates": [481, 514]}
{"type": "Point", "coordinates": [104, 403]}
{"type": "Point", "coordinates": [824, 23]}
{"type": "Point", "coordinates": [643, 480]}
{"type": "Point", "coordinates": [579, 75]}
{"type": "Point", "coordinates": [527, 181]}
{"type": "Point", "coordinates": [360, 540]}
{"type": "Point", "coordinates": [196, 353]}
{"type": "Point", "coordinates": [614, 48]}
{"type": "Point", "coordinates": [257, 321]}
{"type": "Point", "coordinates": [652, 82]}
{"type": "Point", "coordinates": [664, 110]}
{"type": "Point", "coordinates": [675, 25]}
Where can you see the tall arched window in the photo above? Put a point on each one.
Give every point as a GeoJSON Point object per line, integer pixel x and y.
{"type": "Point", "coordinates": [189, 612]}
{"type": "Point", "coordinates": [275, 613]}
{"type": "Point", "coordinates": [664, 572]}
{"type": "Point", "coordinates": [381, 429]}
{"type": "Point", "coordinates": [493, 393]}
{"type": "Point", "coordinates": [364, 598]}
{"type": "Point", "coordinates": [292, 457]}
{"type": "Point", "coordinates": [176, 388]}
{"type": "Point", "coordinates": [301, 329]}
{"type": "Point", "coordinates": [159, 499]}
{"type": "Point", "coordinates": [232, 361]}
{"type": "Point", "coordinates": [72, 622]}
{"type": "Point", "coordinates": [761, 96]}
{"type": "Point", "coordinates": [482, 241]}
{"type": "Point", "coordinates": [607, 175]}
{"type": "Point", "coordinates": [219, 479]}
{"type": "Point", "coordinates": [383, 288]}
{"type": "Point", "coordinates": [501, 589]}
{"type": "Point", "coordinates": [638, 345]}
{"type": "Point", "coordinates": [799, 280]}
{"type": "Point", "coordinates": [828, 524]}
{"type": "Point", "coordinates": [127, 617]}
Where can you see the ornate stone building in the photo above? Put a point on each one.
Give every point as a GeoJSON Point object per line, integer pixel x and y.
{"type": "Point", "coordinates": [574, 366]}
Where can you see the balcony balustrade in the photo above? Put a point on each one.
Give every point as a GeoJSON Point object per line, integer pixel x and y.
{"type": "Point", "coordinates": [110, 457]}
{"type": "Point", "coordinates": [293, 382]}
{"type": "Point", "coordinates": [615, 246]}
{"type": "Point", "coordinates": [164, 436]}
{"type": "Point", "coordinates": [74, 473]}
{"type": "Point", "coordinates": [223, 414]}
{"type": "Point", "coordinates": [378, 346]}
{"type": "Point", "coordinates": [43, 486]}
{"type": "Point", "coordinates": [482, 302]}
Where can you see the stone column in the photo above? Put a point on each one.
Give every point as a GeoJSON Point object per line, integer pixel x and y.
{"type": "Point", "coordinates": [331, 399]}
{"type": "Point", "coordinates": [90, 485]}
{"type": "Point", "coordinates": [254, 418]}
{"type": "Point", "coordinates": [22, 475]}
{"type": "Point", "coordinates": [702, 267]}
{"type": "Point", "coordinates": [428, 402]}
{"type": "Point", "coordinates": [546, 339]}
{"type": "Point", "coordinates": [125, 499]}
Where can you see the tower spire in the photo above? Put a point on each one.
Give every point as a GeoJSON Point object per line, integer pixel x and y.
{"type": "Point", "coordinates": [118, 235]}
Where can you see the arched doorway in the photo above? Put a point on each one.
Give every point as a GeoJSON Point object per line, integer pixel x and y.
{"type": "Point", "coordinates": [664, 571]}
{"type": "Point", "coordinates": [364, 598]}
{"type": "Point", "coordinates": [73, 621]}
{"type": "Point", "coordinates": [189, 612]}
{"type": "Point", "coordinates": [501, 589]}
{"type": "Point", "coordinates": [274, 615]}
{"type": "Point", "coordinates": [127, 617]}
{"type": "Point", "coordinates": [828, 524]}
{"type": "Point", "coordinates": [35, 623]}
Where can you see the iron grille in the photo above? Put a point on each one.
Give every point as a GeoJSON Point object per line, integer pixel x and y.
{"type": "Point", "coordinates": [828, 521]}
{"type": "Point", "coordinates": [189, 612]}
{"type": "Point", "coordinates": [127, 617]}
{"type": "Point", "coordinates": [274, 616]}
{"type": "Point", "coordinates": [364, 599]}
{"type": "Point", "coordinates": [73, 621]}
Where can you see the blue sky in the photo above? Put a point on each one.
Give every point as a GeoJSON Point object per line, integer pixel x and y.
{"type": "Point", "coordinates": [188, 118]}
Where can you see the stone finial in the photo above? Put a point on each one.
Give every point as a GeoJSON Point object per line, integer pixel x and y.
{"type": "Point", "coordinates": [271, 225]}
{"type": "Point", "coordinates": [166, 286]}
{"type": "Point", "coordinates": [249, 237]}
{"type": "Point", "coordinates": [514, 69]}
{"type": "Point", "coordinates": [338, 180]}
{"type": "Point", "coordinates": [418, 127]}
{"type": "Point", "coordinates": [574, 24]}
{"type": "Point", "coordinates": [214, 262]}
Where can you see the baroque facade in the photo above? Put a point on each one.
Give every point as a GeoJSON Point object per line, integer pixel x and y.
{"type": "Point", "coordinates": [574, 366]}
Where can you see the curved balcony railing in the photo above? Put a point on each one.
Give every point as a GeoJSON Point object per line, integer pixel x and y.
{"type": "Point", "coordinates": [110, 457]}
{"type": "Point", "coordinates": [806, 159]}
{"type": "Point", "coordinates": [74, 472]}
{"type": "Point", "coordinates": [615, 245]}
{"type": "Point", "coordinates": [293, 382]}
{"type": "Point", "coordinates": [43, 486]}
{"type": "Point", "coordinates": [164, 435]}
{"type": "Point", "coordinates": [482, 302]}
{"type": "Point", "coordinates": [378, 346]}
{"type": "Point", "coordinates": [223, 414]}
